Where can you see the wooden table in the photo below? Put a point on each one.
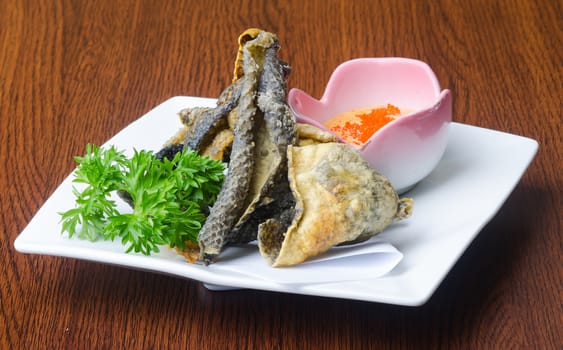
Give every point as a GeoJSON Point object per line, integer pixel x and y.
{"type": "Point", "coordinates": [77, 72]}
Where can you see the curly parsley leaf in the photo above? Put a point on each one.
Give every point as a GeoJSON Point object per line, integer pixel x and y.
{"type": "Point", "coordinates": [168, 197]}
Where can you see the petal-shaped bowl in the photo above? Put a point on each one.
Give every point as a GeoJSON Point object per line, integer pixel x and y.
{"type": "Point", "coordinates": [405, 150]}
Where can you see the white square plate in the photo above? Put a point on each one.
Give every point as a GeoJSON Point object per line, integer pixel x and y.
{"type": "Point", "coordinates": [475, 176]}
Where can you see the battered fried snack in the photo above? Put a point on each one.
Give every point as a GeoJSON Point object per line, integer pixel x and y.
{"type": "Point", "coordinates": [338, 199]}
{"type": "Point", "coordinates": [290, 186]}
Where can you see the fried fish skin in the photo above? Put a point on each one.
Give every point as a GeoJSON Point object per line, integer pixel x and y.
{"type": "Point", "coordinates": [229, 204]}
{"type": "Point", "coordinates": [209, 122]}
{"type": "Point", "coordinates": [275, 131]}
{"type": "Point", "coordinates": [339, 198]}
{"type": "Point", "coordinates": [244, 37]}
{"type": "Point", "coordinates": [293, 187]}
{"type": "Point", "coordinates": [309, 134]}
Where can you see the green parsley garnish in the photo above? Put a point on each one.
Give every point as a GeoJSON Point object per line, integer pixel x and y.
{"type": "Point", "coordinates": [168, 197]}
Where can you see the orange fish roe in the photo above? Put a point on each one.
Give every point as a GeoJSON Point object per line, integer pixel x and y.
{"type": "Point", "coordinates": [357, 128]}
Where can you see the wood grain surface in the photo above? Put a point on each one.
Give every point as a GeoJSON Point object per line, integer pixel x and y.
{"type": "Point", "coordinates": [77, 72]}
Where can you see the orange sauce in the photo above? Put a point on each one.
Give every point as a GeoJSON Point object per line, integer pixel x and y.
{"type": "Point", "coordinates": [356, 126]}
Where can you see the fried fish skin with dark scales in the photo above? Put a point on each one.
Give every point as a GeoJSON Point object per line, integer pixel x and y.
{"type": "Point", "coordinates": [213, 120]}
{"type": "Point", "coordinates": [190, 116]}
{"type": "Point", "coordinates": [275, 130]}
{"type": "Point", "coordinates": [291, 187]}
{"type": "Point", "coordinates": [169, 151]}
{"type": "Point", "coordinates": [229, 204]}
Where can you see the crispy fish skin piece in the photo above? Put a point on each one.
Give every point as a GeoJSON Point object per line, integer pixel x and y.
{"type": "Point", "coordinates": [274, 133]}
{"type": "Point", "coordinates": [191, 115]}
{"type": "Point", "coordinates": [339, 198]}
{"type": "Point", "coordinates": [308, 134]}
{"type": "Point", "coordinates": [188, 117]}
{"type": "Point", "coordinates": [244, 37]}
{"type": "Point", "coordinates": [228, 206]}
{"type": "Point", "coordinates": [212, 121]}
{"type": "Point", "coordinates": [219, 145]}
{"type": "Point", "coordinates": [272, 101]}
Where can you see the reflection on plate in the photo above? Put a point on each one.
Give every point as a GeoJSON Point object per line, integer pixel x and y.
{"type": "Point", "coordinates": [477, 173]}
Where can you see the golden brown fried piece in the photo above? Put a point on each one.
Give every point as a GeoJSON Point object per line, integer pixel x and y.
{"type": "Point", "coordinates": [220, 145]}
{"type": "Point", "coordinates": [339, 198]}
{"type": "Point", "coordinates": [244, 37]}
{"type": "Point", "coordinates": [309, 135]}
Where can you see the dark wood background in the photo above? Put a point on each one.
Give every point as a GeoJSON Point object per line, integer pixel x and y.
{"type": "Point", "coordinates": [76, 72]}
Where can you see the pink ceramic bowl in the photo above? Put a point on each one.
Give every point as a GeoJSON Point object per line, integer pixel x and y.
{"type": "Point", "coordinates": [405, 150]}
